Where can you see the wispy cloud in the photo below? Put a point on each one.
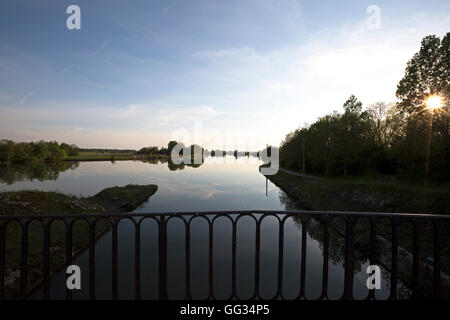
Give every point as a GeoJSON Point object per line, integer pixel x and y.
{"type": "Point", "coordinates": [24, 99]}
{"type": "Point", "coordinates": [99, 48]}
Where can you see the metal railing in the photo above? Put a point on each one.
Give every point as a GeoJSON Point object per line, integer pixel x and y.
{"type": "Point", "coordinates": [327, 220]}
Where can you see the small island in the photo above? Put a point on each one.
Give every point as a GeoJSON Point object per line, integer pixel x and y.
{"type": "Point", "coordinates": [110, 200]}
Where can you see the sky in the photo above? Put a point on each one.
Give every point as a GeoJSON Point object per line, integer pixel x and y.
{"type": "Point", "coordinates": [221, 73]}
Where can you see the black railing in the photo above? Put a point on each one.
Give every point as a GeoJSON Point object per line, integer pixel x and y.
{"type": "Point", "coordinates": [435, 227]}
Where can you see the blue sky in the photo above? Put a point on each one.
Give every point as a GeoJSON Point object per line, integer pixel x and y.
{"type": "Point", "coordinates": [220, 73]}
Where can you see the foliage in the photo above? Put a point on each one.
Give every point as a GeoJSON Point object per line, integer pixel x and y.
{"type": "Point", "coordinates": [383, 138]}
{"type": "Point", "coordinates": [11, 152]}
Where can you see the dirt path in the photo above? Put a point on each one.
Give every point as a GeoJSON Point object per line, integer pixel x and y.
{"type": "Point", "coordinates": [297, 174]}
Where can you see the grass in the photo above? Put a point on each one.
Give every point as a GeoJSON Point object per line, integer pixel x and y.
{"type": "Point", "coordinates": [362, 195]}
{"type": "Point", "coordinates": [97, 156]}
{"type": "Point", "coordinates": [116, 199]}
{"type": "Point", "coordinates": [108, 156]}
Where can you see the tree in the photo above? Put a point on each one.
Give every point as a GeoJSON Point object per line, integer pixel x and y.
{"type": "Point", "coordinates": [171, 145]}
{"type": "Point", "coordinates": [6, 150]}
{"type": "Point", "coordinates": [427, 73]}
{"type": "Point", "coordinates": [387, 121]}
{"type": "Point", "coordinates": [353, 130]}
{"type": "Point", "coordinates": [71, 150]}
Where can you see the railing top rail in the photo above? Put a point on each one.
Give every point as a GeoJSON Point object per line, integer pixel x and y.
{"type": "Point", "coordinates": [230, 212]}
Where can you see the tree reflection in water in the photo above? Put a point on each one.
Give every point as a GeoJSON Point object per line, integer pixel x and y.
{"type": "Point", "coordinates": [336, 253]}
{"type": "Point", "coordinates": [41, 171]}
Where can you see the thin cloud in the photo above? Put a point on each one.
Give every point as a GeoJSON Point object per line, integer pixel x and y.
{"type": "Point", "coordinates": [99, 48]}
{"type": "Point", "coordinates": [24, 99]}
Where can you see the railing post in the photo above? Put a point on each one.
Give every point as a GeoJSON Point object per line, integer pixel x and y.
{"type": "Point", "coordinates": [436, 260]}
{"type": "Point", "coordinates": [394, 271]}
{"type": "Point", "coordinates": [46, 269]}
{"type": "Point", "coordinates": [233, 261]}
{"type": "Point", "coordinates": [348, 276]}
{"type": "Point", "coordinates": [280, 259]}
{"type": "Point", "coordinates": [92, 260]}
{"type": "Point", "coordinates": [415, 275]}
{"type": "Point", "coordinates": [115, 294]}
{"type": "Point", "coordinates": [210, 264]}
{"type": "Point", "coordinates": [69, 227]}
{"type": "Point", "coordinates": [2, 259]}
{"type": "Point", "coordinates": [326, 245]}
{"type": "Point", "coordinates": [188, 260]}
{"type": "Point", "coordinates": [303, 261]}
{"type": "Point", "coordinates": [257, 259]}
{"type": "Point", "coordinates": [162, 258]}
{"type": "Point", "coordinates": [24, 262]}
{"type": "Point", "coordinates": [373, 251]}
{"type": "Point", "coordinates": [137, 261]}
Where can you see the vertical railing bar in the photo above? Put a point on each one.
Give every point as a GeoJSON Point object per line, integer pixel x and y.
{"type": "Point", "coordinates": [92, 260]}
{"type": "Point", "coordinates": [303, 261]}
{"type": "Point", "coordinates": [188, 261]}
{"type": "Point", "coordinates": [68, 254]}
{"type": "Point", "coordinates": [2, 259]}
{"type": "Point", "coordinates": [46, 269]}
{"type": "Point", "coordinates": [257, 258]}
{"type": "Point", "coordinates": [137, 261]}
{"type": "Point", "coordinates": [280, 259]}
{"type": "Point", "coordinates": [115, 295]}
{"type": "Point", "coordinates": [233, 261]}
{"type": "Point", "coordinates": [348, 275]}
{"type": "Point", "coordinates": [436, 261]}
{"type": "Point", "coordinates": [394, 264]}
{"type": "Point", "coordinates": [326, 244]}
{"type": "Point", "coordinates": [24, 262]}
{"type": "Point", "coordinates": [373, 251]}
{"type": "Point", "coordinates": [210, 264]}
{"type": "Point", "coordinates": [162, 259]}
{"type": "Point", "coordinates": [415, 280]}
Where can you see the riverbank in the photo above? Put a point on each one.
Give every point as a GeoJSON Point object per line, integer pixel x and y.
{"type": "Point", "coordinates": [113, 157]}
{"type": "Point", "coordinates": [111, 200]}
{"type": "Point", "coordinates": [313, 193]}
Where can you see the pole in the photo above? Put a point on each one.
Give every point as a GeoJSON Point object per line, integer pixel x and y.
{"type": "Point", "coordinates": [427, 166]}
{"type": "Point", "coordinates": [266, 186]}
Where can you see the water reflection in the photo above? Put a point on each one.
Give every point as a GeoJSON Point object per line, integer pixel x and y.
{"type": "Point", "coordinates": [336, 250]}
{"type": "Point", "coordinates": [40, 171]}
{"type": "Point", "coordinates": [44, 171]}
{"type": "Point", "coordinates": [207, 187]}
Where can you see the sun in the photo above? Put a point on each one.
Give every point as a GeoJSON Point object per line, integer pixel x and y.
{"type": "Point", "coordinates": [433, 102]}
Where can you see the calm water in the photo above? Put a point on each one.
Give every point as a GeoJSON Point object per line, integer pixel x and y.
{"type": "Point", "coordinates": [233, 185]}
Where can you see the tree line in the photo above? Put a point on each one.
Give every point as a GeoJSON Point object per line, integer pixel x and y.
{"type": "Point", "coordinates": [12, 152]}
{"type": "Point", "coordinates": [155, 150]}
{"type": "Point", "coordinates": [402, 138]}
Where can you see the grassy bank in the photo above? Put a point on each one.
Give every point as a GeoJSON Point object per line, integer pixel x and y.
{"type": "Point", "coordinates": [115, 199]}
{"type": "Point", "coordinates": [107, 156]}
{"type": "Point", "coordinates": [361, 195]}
